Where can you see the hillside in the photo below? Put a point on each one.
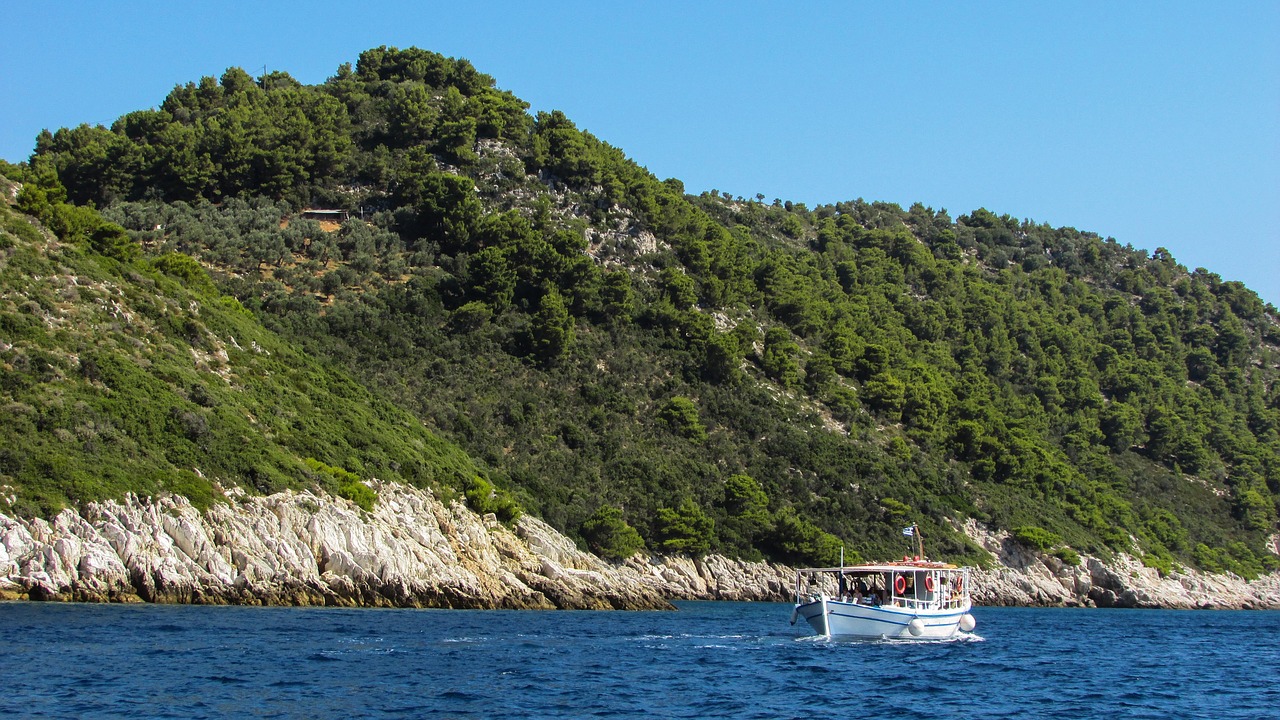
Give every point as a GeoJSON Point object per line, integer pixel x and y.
{"type": "Point", "coordinates": [633, 364]}
{"type": "Point", "coordinates": [135, 375]}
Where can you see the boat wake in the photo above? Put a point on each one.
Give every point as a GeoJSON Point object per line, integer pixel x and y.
{"type": "Point", "coordinates": [960, 637]}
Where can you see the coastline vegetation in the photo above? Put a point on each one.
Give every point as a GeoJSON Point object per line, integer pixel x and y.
{"type": "Point", "coordinates": [514, 310]}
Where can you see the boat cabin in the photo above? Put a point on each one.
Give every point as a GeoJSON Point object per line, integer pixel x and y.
{"type": "Point", "coordinates": [909, 584]}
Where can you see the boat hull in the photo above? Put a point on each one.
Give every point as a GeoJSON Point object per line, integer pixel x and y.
{"type": "Point", "coordinates": [838, 618]}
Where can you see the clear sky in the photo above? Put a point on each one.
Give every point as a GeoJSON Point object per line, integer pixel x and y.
{"type": "Point", "coordinates": [1156, 123]}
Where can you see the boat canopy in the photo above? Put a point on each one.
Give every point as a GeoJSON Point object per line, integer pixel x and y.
{"type": "Point", "coordinates": [881, 568]}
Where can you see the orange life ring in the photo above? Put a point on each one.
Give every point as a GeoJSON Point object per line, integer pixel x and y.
{"type": "Point", "coordinates": [900, 585]}
{"type": "Point", "coordinates": [928, 583]}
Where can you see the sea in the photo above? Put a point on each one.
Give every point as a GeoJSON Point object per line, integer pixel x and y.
{"type": "Point", "coordinates": [705, 660]}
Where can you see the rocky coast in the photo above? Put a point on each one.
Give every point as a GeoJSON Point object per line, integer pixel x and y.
{"type": "Point", "coordinates": [414, 550]}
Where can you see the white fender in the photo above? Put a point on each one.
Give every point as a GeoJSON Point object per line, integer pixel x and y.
{"type": "Point", "coordinates": [967, 623]}
{"type": "Point", "coordinates": [916, 627]}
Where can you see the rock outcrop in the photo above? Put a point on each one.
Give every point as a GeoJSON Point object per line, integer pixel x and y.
{"type": "Point", "coordinates": [412, 550]}
{"type": "Point", "coordinates": [303, 549]}
{"type": "Point", "coordinates": [1022, 576]}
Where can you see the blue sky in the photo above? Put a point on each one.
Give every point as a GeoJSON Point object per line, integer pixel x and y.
{"type": "Point", "coordinates": [1157, 124]}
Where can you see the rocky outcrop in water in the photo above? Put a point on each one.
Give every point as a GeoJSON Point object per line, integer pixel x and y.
{"type": "Point", "coordinates": [413, 550]}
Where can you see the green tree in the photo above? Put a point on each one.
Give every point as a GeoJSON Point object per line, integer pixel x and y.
{"type": "Point", "coordinates": [551, 329]}
{"type": "Point", "coordinates": [681, 415]}
{"type": "Point", "coordinates": [608, 535]}
{"type": "Point", "coordinates": [778, 360]}
{"type": "Point", "coordinates": [686, 529]}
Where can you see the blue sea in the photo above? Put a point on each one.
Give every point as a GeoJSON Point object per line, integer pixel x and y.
{"type": "Point", "coordinates": [709, 659]}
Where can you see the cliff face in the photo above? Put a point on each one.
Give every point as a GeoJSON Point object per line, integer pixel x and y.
{"type": "Point", "coordinates": [413, 550]}
{"type": "Point", "coordinates": [304, 549]}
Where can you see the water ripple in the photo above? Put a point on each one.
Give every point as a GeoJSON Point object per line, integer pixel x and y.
{"type": "Point", "coordinates": [708, 660]}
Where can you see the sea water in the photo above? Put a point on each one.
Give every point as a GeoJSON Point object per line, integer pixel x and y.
{"type": "Point", "coordinates": [734, 660]}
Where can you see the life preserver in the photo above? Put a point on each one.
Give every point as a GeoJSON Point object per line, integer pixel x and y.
{"type": "Point", "coordinates": [900, 585]}
{"type": "Point", "coordinates": [928, 583]}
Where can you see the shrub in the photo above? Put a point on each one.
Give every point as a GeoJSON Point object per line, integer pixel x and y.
{"type": "Point", "coordinates": [1035, 537]}
{"type": "Point", "coordinates": [484, 498]}
{"type": "Point", "coordinates": [186, 269]}
{"type": "Point", "coordinates": [358, 493]}
{"type": "Point", "coordinates": [349, 484]}
{"type": "Point", "coordinates": [1068, 556]}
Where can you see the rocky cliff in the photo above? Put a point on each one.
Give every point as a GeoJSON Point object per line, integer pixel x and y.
{"type": "Point", "coordinates": [413, 550]}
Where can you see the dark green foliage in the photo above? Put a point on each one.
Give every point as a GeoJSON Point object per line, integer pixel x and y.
{"type": "Point", "coordinates": [534, 295]}
{"type": "Point", "coordinates": [798, 541]}
{"type": "Point", "coordinates": [551, 329]}
{"type": "Point", "coordinates": [685, 529]}
{"type": "Point", "coordinates": [608, 535]}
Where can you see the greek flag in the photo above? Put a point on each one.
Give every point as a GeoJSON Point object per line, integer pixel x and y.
{"type": "Point", "coordinates": [909, 531]}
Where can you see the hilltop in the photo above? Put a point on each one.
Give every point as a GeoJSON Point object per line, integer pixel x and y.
{"type": "Point", "coordinates": [638, 366]}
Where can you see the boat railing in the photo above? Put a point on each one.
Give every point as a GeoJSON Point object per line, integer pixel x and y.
{"type": "Point", "coordinates": [924, 587]}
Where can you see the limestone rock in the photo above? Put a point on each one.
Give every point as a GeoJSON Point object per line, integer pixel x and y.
{"type": "Point", "coordinates": [412, 550]}
{"type": "Point", "coordinates": [306, 549]}
{"type": "Point", "coordinates": [1024, 577]}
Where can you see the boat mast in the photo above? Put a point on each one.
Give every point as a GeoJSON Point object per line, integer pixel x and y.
{"type": "Point", "coordinates": [919, 540]}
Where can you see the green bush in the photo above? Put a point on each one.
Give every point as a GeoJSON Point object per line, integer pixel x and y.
{"type": "Point", "coordinates": [484, 498]}
{"type": "Point", "coordinates": [349, 485]}
{"type": "Point", "coordinates": [1035, 537]}
{"type": "Point", "coordinates": [358, 493]}
{"type": "Point", "coordinates": [185, 268]}
{"type": "Point", "coordinates": [1068, 556]}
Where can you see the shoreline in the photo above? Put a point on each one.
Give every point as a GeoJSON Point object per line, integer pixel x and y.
{"type": "Point", "coordinates": [299, 549]}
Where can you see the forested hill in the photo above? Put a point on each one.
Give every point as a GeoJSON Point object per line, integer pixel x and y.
{"type": "Point", "coordinates": [694, 373]}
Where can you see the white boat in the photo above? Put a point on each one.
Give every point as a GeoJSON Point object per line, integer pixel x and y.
{"type": "Point", "coordinates": [911, 599]}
